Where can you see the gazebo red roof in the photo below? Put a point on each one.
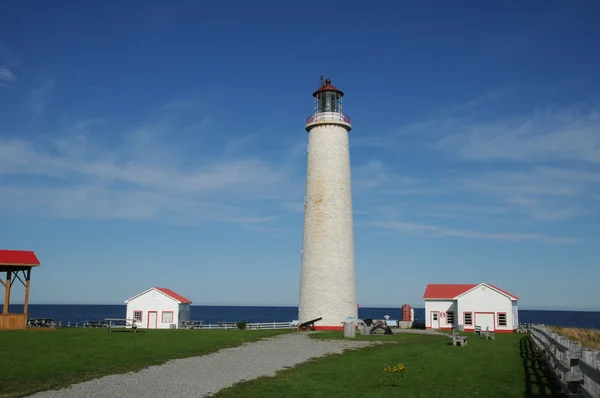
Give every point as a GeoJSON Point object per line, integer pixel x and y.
{"type": "Point", "coordinates": [18, 258]}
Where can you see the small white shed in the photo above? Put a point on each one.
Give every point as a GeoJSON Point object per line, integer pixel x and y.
{"type": "Point", "coordinates": [470, 305]}
{"type": "Point", "coordinates": [158, 308]}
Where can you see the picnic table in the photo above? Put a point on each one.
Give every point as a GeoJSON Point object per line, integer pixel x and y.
{"type": "Point", "coordinates": [41, 323]}
{"type": "Point", "coordinates": [192, 324]}
{"type": "Point", "coordinates": [94, 324]}
{"type": "Point", "coordinates": [120, 323]}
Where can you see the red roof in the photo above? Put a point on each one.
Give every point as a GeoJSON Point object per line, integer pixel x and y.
{"type": "Point", "coordinates": [503, 291]}
{"type": "Point", "coordinates": [18, 257]}
{"type": "Point", "coordinates": [328, 87]}
{"type": "Point", "coordinates": [445, 291]}
{"type": "Point", "coordinates": [172, 294]}
{"type": "Point", "coordinates": [450, 291]}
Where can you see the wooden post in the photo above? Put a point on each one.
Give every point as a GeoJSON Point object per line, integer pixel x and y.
{"type": "Point", "coordinates": [26, 303]}
{"type": "Point", "coordinates": [7, 291]}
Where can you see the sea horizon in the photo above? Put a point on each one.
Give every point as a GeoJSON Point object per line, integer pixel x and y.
{"type": "Point", "coordinates": [296, 306]}
{"type": "Point", "coordinates": [214, 314]}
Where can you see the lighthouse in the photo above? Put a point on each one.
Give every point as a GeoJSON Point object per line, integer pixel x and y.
{"type": "Point", "coordinates": [328, 276]}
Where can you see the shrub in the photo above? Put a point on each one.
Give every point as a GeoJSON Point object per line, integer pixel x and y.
{"type": "Point", "coordinates": [241, 325]}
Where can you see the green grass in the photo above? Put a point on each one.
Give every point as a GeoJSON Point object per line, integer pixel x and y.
{"type": "Point", "coordinates": [37, 360]}
{"type": "Point", "coordinates": [504, 367]}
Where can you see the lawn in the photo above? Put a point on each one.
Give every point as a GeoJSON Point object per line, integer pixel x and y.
{"type": "Point", "coordinates": [504, 367]}
{"type": "Point", "coordinates": [36, 360]}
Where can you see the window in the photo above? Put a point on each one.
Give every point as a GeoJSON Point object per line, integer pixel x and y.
{"type": "Point", "coordinates": [501, 319]}
{"type": "Point", "coordinates": [137, 316]}
{"type": "Point", "coordinates": [468, 318]}
{"type": "Point", "coordinates": [167, 317]}
{"type": "Point", "coordinates": [435, 316]}
{"type": "Point", "coordinates": [450, 317]}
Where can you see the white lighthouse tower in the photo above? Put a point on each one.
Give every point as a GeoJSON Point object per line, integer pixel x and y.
{"type": "Point", "coordinates": [328, 280]}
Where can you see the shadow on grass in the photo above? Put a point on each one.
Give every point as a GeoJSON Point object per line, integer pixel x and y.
{"type": "Point", "coordinates": [539, 380]}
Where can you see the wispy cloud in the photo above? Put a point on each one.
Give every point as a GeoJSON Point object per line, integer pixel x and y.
{"type": "Point", "coordinates": [179, 104]}
{"type": "Point", "coordinates": [91, 170]}
{"type": "Point", "coordinates": [8, 59]}
{"type": "Point", "coordinates": [548, 135]}
{"type": "Point", "coordinates": [438, 231]}
{"type": "Point", "coordinates": [37, 98]}
{"type": "Point", "coordinates": [538, 168]}
{"type": "Point", "coordinates": [7, 76]}
{"type": "Point", "coordinates": [79, 178]}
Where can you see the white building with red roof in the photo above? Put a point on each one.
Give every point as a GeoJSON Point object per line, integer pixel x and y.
{"type": "Point", "coordinates": [467, 306]}
{"type": "Point", "coordinates": [158, 308]}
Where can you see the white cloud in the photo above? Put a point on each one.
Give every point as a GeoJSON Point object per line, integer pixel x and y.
{"type": "Point", "coordinates": [551, 135]}
{"type": "Point", "coordinates": [38, 97]}
{"type": "Point", "coordinates": [536, 168]}
{"type": "Point", "coordinates": [7, 76]}
{"type": "Point", "coordinates": [143, 174]}
{"type": "Point", "coordinates": [438, 231]}
{"type": "Point", "coordinates": [179, 105]}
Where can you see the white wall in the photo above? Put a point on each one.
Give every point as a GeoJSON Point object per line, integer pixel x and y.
{"type": "Point", "coordinates": [153, 301]}
{"type": "Point", "coordinates": [328, 282]}
{"type": "Point", "coordinates": [439, 306]}
{"type": "Point", "coordinates": [483, 299]}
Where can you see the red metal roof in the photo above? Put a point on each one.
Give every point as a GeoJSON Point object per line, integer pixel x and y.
{"type": "Point", "coordinates": [503, 291]}
{"type": "Point", "coordinates": [18, 257]}
{"type": "Point", "coordinates": [328, 87]}
{"type": "Point", "coordinates": [172, 294]}
{"type": "Point", "coordinates": [445, 291]}
{"type": "Point", "coordinates": [450, 291]}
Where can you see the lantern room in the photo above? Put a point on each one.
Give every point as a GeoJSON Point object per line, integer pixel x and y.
{"type": "Point", "coordinates": [328, 98]}
{"type": "Point", "coordinates": [328, 107]}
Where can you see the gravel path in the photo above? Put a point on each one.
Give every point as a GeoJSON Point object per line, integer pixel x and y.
{"type": "Point", "coordinates": [199, 376]}
{"type": "Point", "coordinates": [421, 331]}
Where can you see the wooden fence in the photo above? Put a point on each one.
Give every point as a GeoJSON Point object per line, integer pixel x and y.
{"type": "Point", "coordinates": [576, 368]}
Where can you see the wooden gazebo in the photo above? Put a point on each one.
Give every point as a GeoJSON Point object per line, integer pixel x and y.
{"type": "Point", "coordinates": [15, 265]}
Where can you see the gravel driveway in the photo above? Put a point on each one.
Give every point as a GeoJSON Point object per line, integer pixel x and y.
{"type": "Point", "coordinates": [199, 376]}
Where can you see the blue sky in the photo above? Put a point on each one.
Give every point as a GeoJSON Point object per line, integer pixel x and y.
{"type": "Point", "coordinates": [162, 143]}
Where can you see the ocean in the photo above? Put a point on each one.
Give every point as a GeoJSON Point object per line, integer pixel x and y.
{"type": "Point", "coordinates": [216, 314]}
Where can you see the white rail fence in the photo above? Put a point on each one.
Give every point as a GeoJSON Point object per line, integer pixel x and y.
{"type": "Point", "coordinates": [576, 368]}
{"type": "Point", "coordinates": [252, 326]}
{"type": "Point", "coordinates": [192, 325]}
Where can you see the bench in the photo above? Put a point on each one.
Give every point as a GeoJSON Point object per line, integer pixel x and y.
{"type": "Point", "coordinates": [310, 324]}
{"type": "Point", "coordinates": [115, 323]}
{"type": "Point", "coordinates": [489, 335]}
{"type": "Point", "coordinates": [478, 330]}
{"type": "Point", "coordinates": [458, 340]}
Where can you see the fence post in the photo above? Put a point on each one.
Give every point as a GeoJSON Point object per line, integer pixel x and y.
{"type": "Point", "coordinates": [596, 364]}
{"type": "Point", "coordinates": [589, 386]}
